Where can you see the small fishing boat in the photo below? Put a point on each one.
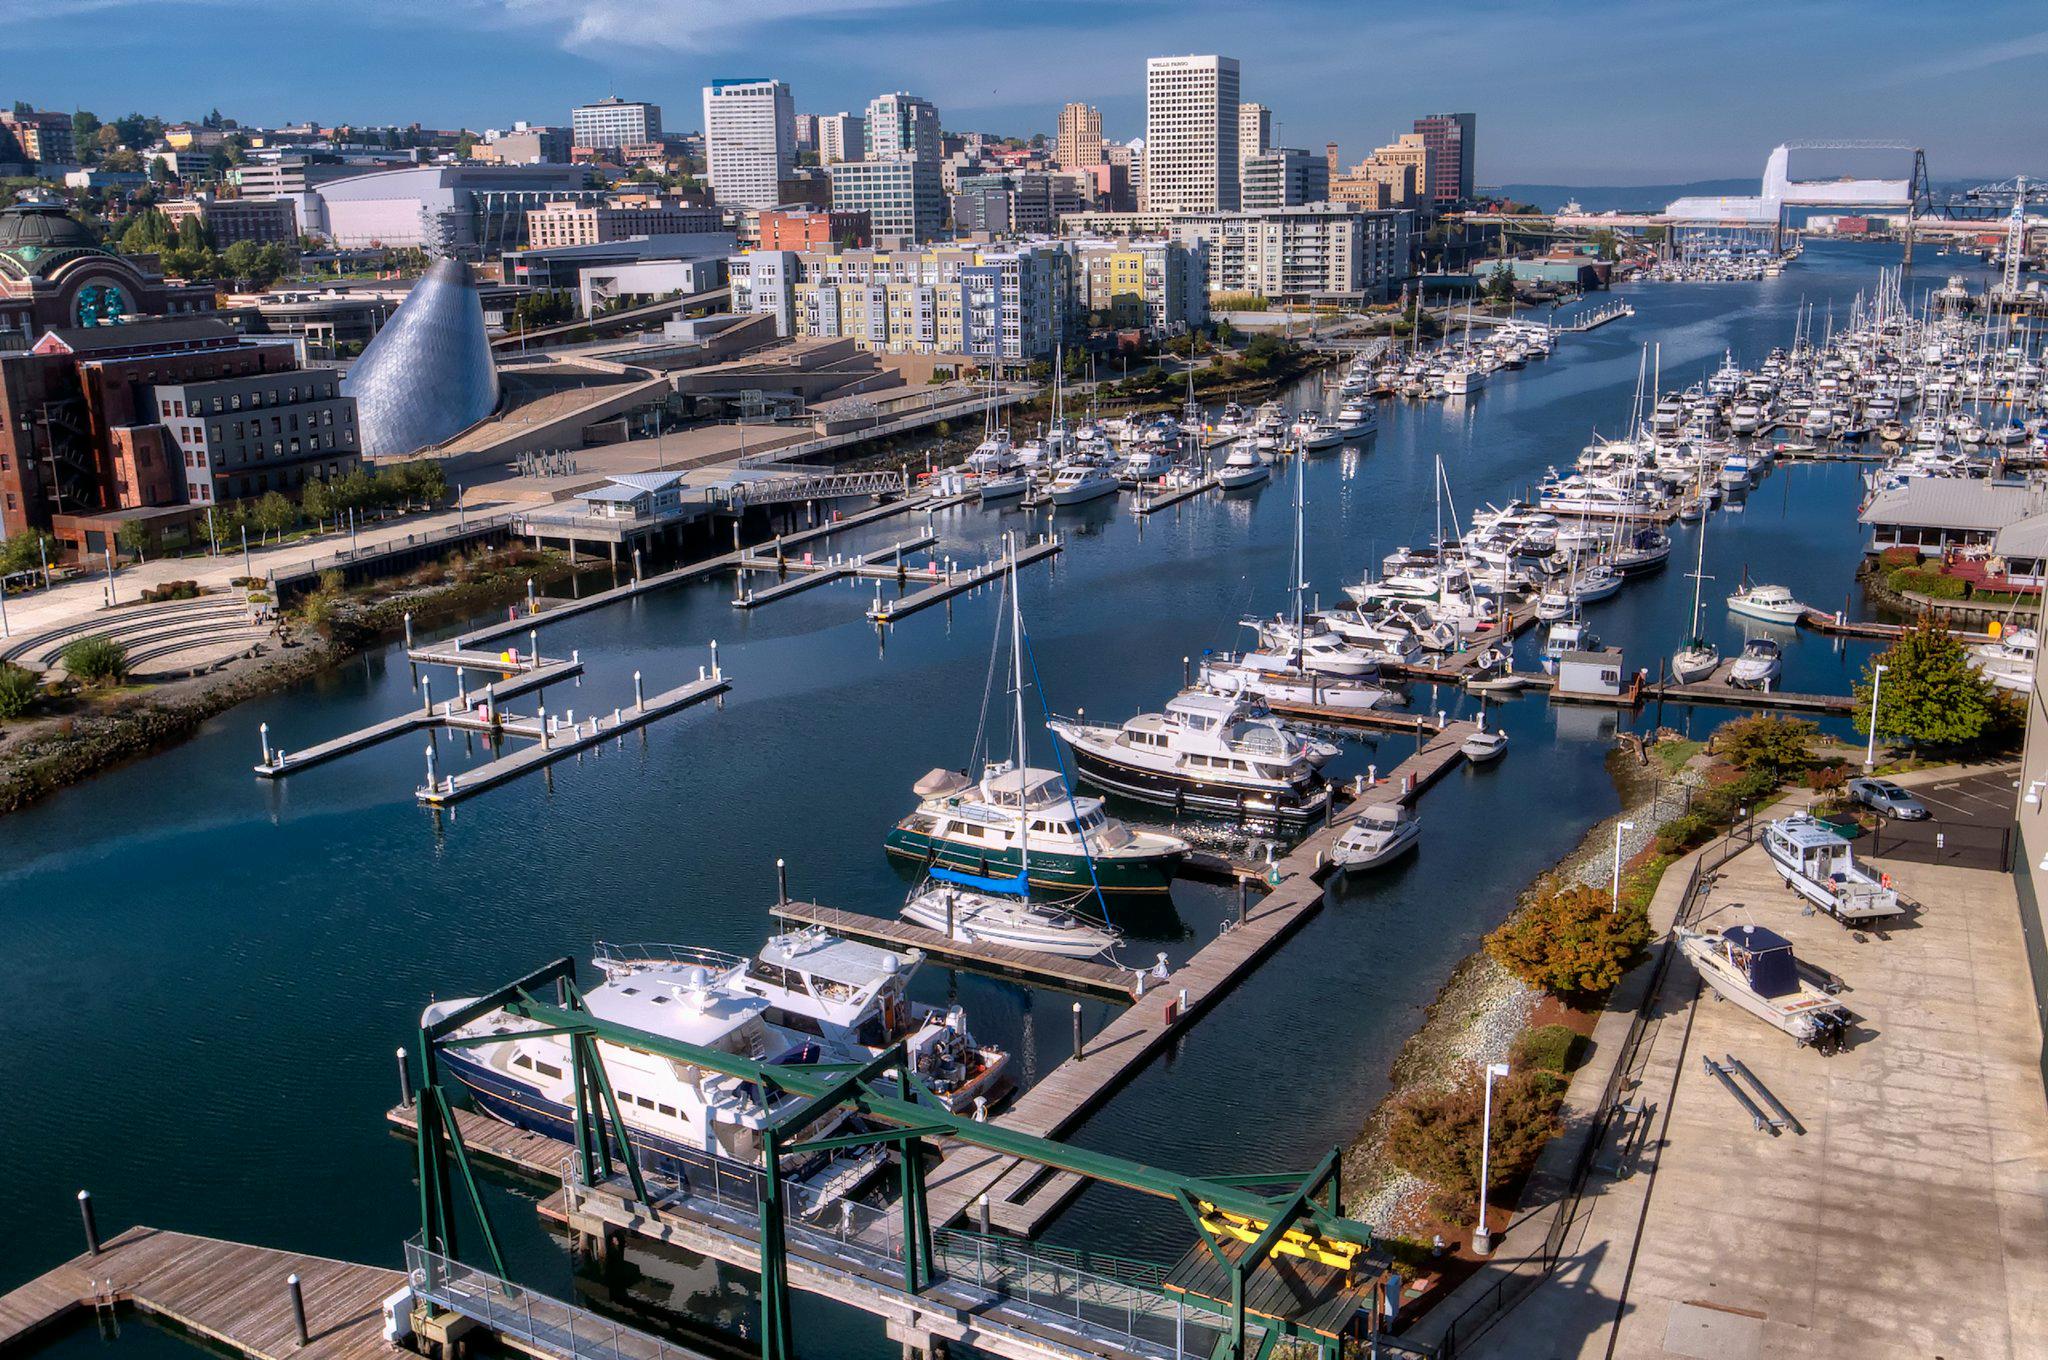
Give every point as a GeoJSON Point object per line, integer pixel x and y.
{"type": "Point", "coordinates": [1759, 665]}
{"type": "Point", "coordinates": [1771, 604]}
{"type": "Point", "coordinates": [1378, 834]}
{"type": "Point", "coordinates": [1817, 863]}
{"type": "Point", "coordinates": [1756, 969]}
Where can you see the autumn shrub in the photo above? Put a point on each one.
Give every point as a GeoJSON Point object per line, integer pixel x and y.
{"type": "Point", "coordinates": [1570, 941]}
{"type": "Point", "coordinates": [1435, 1135]}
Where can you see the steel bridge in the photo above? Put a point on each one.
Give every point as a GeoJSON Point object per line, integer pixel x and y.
{"type": "Point", "coordinates": [1262, 1273]}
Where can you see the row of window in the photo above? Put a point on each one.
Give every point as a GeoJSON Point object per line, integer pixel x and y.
{"type": "Point", "coordinates": [172, 408]}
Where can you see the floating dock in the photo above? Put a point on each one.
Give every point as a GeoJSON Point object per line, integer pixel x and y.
{"type": "Point", "coordinates": [278, 762]}
{"type": "Point", "coordinates": [959, 582]}
{"type": "Point", "coordinates": [1087, 976]}
{"type": "Point", "coordinates": [884, 564]}
{"type": "Point", "coordinates": [1143, 504]}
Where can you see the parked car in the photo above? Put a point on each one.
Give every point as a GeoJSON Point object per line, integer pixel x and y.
{"type": "Point", "coordinates": [1888, 798]}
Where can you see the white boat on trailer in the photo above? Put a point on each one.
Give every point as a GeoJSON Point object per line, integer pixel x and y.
{"type": "Point", "coordinates": [1817, 863]}
{"type": "Point", "coordinates": [1755, 968]}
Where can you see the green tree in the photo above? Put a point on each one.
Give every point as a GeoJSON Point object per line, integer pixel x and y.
{"type": "Point", "coordinates": [27, 550]}
{"type": "Point", "coordinates": [316, 499]}
{"type": "Point", "coordinates": [85, 133]}
{"type": "Point", "coordinates": [465, 146]}
{"type": "Point", "coordinates": [1500, 284]}
{"type": "Point", "coordinates": [133, 538]}
{"type": "Point", "coordinates": [274, 514]}
{"type": "Point", "coordinates": [193, 234]}
{"type": "Point", "coordinates": [1775, 745]}
{"type": "Point", "coordinates": [147, 232]}
{"type": "Point", "coordinates": [1571, 942]}
{"type": "Point", "coordinates": [1931, 695]}
{"type": "Point", "coordinates": [1435, 1135]}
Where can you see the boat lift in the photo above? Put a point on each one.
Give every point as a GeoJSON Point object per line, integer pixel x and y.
{"type": "Point", "coordinates": [1305, 1220]}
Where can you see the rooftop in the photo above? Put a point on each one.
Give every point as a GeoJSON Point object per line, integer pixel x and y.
{"type": "Point", "coordinates": [1955, 503]}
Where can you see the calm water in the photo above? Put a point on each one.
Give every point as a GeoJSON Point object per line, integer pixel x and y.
{"type": "Point", "coordinates": [211, 973]}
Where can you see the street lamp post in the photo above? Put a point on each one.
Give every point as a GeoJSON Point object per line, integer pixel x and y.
{"type": "Point", "coordinates": [1619, 827]}
{"type": "Point", "coordinates": [1482, 1238]}
{"type": "Point", "coordinates": [1870, 750]}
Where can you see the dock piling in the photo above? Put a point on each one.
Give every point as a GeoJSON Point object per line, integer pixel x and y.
{"type": "Point", "coordinates": [264, 730]}
{"type": "Point", "coordinates": [981, 1210]}
{"type": "Point", "coordinates": [298, 1294]}
{"type": "Point", "coordinates": [541, 714]}
{"type": "Point", "coordinates": [781, 883]}
{"type": "Point", "coordinates": [1243, 899]}
{"type": "Point", "coordinates": [1079, 1054]}
{"type": "Point", "coordinates": [92, 1227]}
{"type": "Point", "coordinates": [715, 672]}
{"type": "Point", "coordinates": [533, 643]}
{"type": "Point", "coordinates": [532, 601]}
{"type": "Point", "coordinates": [427, 695]}
{"type": "Point", "coordinates": [404, 1080]}
{"type": "Point", "coordinates": [408, 629]}
{"type": "Point", "coordinates": [639, 692]}
{"type": "Point", "coordinates": [433, 782]}
{"type": "Point", "coordinates": [636, 566]}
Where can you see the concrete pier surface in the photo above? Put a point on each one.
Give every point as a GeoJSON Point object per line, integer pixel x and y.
{"type": "Point", "coordinates": [1909, 1220]}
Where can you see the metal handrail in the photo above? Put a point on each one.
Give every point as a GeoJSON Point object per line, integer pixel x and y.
{"type": "Point", "coordinates": [536, 1319]}
{"type": "Point", "coordinates": [686, 954]}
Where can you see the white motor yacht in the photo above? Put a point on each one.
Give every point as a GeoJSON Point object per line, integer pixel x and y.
{"type": "Point", "coordinates": [2008, 662]}
{"type": "Point", "coordinates": [1381, 832]}
{"type": "Point", "coordinates": [1077, 482]}
{"type": "Point", "coordinates": [1242, 467]}
{"type": "Point", "coordinates": [1770, 604]}
{"type": "Point", "coordinates": [1818, 864]}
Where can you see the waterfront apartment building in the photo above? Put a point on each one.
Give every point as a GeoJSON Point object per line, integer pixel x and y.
{"type": "Point", "coordinates": [228, 220]}
{"type": "Point", "coordinates": [613, 122]}
{"type": "Point", "coordinates": [1158, 287]}
{"type": "Point", "coordinates": [589, 224]}
{"type": "Point", "coordinates": [901, 126]}
{"type": "Point", "coordinates": [1079, 144]}
{"type": "Point", "coordinates": [1285, 177]}
{"type": "Point", "coordinates": [1313, 253]}
{"type": "Point", "coordinates": [749, 141]}
{"type": "Point", "coordinates": [1452, 141]}
{"type": "Point", "coordinates": [973, 304]}
{"type": "Point", "coordinates": [1254, 130]}
{"type": "Point", "coordinates": [241, 436]}
{"type": "Point", "coordinates": [841, 137]}
{"type": "Point", "coordinates": [37, 135]}
{"type": "Point", "coordinates": [904, 199]}
{"type": "Point", "coordinates": [1191, 128]}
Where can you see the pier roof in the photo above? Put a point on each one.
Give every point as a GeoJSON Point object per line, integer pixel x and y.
{"type": "Point", "coordinates": [1955, 503]}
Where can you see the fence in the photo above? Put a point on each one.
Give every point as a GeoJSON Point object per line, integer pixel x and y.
{"type": "Point", "coordinates": [476, 526]}
{"type": "Point", "coordinates": [1965, 845]}
{"type": "Point", "coordinates": [539, 1321]}
{"type": "Point", "coordinates": [1483, 1311]}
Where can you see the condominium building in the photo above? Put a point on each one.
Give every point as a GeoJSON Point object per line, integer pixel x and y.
{"type": "Point", "coordinates": [901, 126]}
{"type": "Point", "coordinates": [228, 220]}
{"type": "Point", "coordinates": [589, 224]}
{"type": "Point", "coordinates": [1285, 178]}
{"type": "Point", "coordinates": [904, 199]}
{"type": "Point", "coordinates": [1452, 141]}
{"type": "Point", "coordinates": [1254, 130]}
{"type": "Point", "coordinates": [614, 122]}
{"type": "Point", "coordinates": [1079, 144]}
{"type": "Point", "coordinates": [841, 137]}
{"type": "Point", "coordinates": [749, 141]}
{"type": "Point", "coordinates": [764, 283]}
{"type": "Point", "coordinates": [1319, 252]}
{"type": "Point", "coordinates": [976, 304]}
{"type": "Point", "coordinates": [39, 135]}
{"type": "Point", "coordinates": [1159, 287]}
{"type": "Point", "coordinates": [1191, 129]}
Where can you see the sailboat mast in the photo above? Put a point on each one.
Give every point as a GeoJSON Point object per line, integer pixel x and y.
{"type": "Point", "coordinates": [1300, 569]}
{"type": "Point", "coordinates": [1017, 681]}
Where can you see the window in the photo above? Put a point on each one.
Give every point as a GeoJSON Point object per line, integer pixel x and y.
{"type": "Point", "coordinates": [668, 1110]}
{"type": "Point", "coordinates": [548, 1070]}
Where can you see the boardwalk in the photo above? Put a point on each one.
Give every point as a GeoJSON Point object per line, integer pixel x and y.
{"type": "Point", "coordinates": [1002, 960]}
{"type": "Point", "coordinates": [1150, 499]}
{"type": "Point", "coordinates": [226, 1292]}
{"type": "Point", "coordinates": [1022, 1197]}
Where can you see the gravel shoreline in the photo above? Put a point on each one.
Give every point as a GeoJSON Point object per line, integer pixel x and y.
{"type": "Point", "coordinates": [1482, 1008]}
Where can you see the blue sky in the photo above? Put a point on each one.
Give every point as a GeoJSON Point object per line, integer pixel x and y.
{"type": "Point", "coordinates": [1611, 93]}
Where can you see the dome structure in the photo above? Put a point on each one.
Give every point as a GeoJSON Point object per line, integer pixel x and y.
{"type": "Point", "coordinates": [36, 237]}
{"type": "Point", "coordinates": [428, 375]}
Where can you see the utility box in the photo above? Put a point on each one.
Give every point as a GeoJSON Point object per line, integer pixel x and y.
{"type": "Point", "coordinates": [1592, 675]}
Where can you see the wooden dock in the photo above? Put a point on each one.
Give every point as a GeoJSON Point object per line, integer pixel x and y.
{"type": "Point", "coordinates": [551, 743]}
{"type": "Point", "coordinates": [1086, 976]}
{"type": "Point", "coordinates": [802, 575]}
{"type": "Point", "coordinates": [1024, 1196]}
{"type": "Point", "coordinates": [281, 762]}
{"type": "Point", "coordinates": [227, 1293]}
{"type": "Point", "coordinates": [1839, 625]}
{"type": "Point", "coordinates": [1143, 504]}
{"type": "Point", "coordinates": [959, 582]}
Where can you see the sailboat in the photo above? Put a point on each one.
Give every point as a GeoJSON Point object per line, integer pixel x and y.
{"type": "Point", "coordinates": [1695, 661]}
{"type": "Point", "coordinates": [1018, 827]}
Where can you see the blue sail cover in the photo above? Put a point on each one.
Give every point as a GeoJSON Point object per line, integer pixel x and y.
{"type": "Point", "coordinates": [1015, 887]}
{"type": "Point", "coordinates": [429, 374]}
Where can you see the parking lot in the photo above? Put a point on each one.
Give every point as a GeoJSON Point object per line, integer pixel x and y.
{"type": "Point", "coordinates": [1971, 826]}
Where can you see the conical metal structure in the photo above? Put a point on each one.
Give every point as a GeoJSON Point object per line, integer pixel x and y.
{"type": "Point", "coordinates": [428, 375]}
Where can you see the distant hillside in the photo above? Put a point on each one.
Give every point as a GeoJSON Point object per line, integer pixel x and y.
{"type": "Point", "coordinates": [1617, 197]}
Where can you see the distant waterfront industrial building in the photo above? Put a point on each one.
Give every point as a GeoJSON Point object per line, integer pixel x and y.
{"type": "Point", "coordinates": [613, 122]}
{"type": "Point", "coordinates": [749, 141]}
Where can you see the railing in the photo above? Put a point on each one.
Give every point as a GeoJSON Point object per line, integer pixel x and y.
{"type": "Point", "coordinates": [1967, 845]}
{"type": "Point", "coordinates": [686, 955]}
{"type": "Point", "coordinates": [535, 1319]}
{"type": "Point", "coordinates": [815, 487]}
{"type": "Point", "coordinates": [468, 528]}
{"type": "Point", "coordinates": [1052, 1282]}
{"type": "Point", "coordinates": [1510, 1290]}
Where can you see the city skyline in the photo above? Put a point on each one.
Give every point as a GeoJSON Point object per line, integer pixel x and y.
{"type": "Point", "coordinates": [487, 63]}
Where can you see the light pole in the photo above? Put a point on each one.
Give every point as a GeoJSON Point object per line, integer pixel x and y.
{"type": "Point", "coordinates": [1619, 827]}
{"type": "Point", "coordinates": [1870, 750]}
{"type": "Point", "coordinates": [1482, 1240]}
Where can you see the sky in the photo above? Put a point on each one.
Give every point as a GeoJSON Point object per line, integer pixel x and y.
{"type": "Point", "coordinates": [1618, 92]}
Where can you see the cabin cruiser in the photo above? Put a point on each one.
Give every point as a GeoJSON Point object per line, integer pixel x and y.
{"type": "Point", "coordinates": [2008, 662]}
{"type": "Point", "coordinates": [1146, 463]}
{"type": "Point", "coordinates": [1756, 969]}
{"type": "Point", "coordinates": [1381, 832]}
{"type": "Point", "coordinates": [1001, 486]}
{"type": "Point", "coordinates": [1390, 642]}
{"type": "Point", "coordinates": [680, 1117]}
{"type": "Point", "coordinates": [1485, 745]}
{"type": "Point", "coordinates": [849, 997]}
{"type": "Point", "coordinates": [1273, 679]}
{"type": "Point", "coordinates": [950, 904]}
{"type": "Point", "coordinates": [1770, 604]}
{"type": "Point", "coordinates": [1206, 751]}
{"type": "Point", "coordinates": [1242, 467]}
{"type": "Point", "coordinates": [1315, 432]}
{"type": "Point", "coordinates": [1357, 418]}
{"type": "Point", "coordinates": [1817, 864]}
{"type": "Point", "coordinates": [1564, 636]}
{"type": "Point", "coordinates": [1758, 666]}
{"type": "Point", "coordinates": [1314, 648]}
{"type": "Point", "coordinates": [1078, 482]}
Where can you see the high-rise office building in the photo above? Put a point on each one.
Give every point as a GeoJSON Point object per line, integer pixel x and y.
{"type": "Point", "coordinates": [613, 122]}
{"type": "Point", "coordinates": [1285, 177]}
{"type": "Point", "coordinates": [807, 132]}
{"type": "Point", "coordinates": [1254, 130]}
{"type": "Point", "coordinates": [749, 141]}
{"type": "Point", "coordinates": [1451, 139]}
{"type": "Point", "coordinates": [841, 137]}
{"type": "Point", "coordinates": [901, 126]}
{"type": "Point", "coordinates": [903, 198]}
{"type": "Point", "coordinates": [1191, 109]}
{"type": "Point", "coordinates": [1079, 144]}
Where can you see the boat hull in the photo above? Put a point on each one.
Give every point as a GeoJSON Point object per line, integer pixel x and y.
{"type": "Point", "coordinates": [1292, 805]}
{"type": "Point", "coordinates": [1049, 869]}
